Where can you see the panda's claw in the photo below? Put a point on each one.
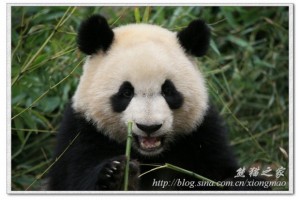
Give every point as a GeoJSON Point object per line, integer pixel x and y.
{"type": "Point", "coordinates": [112, 174]}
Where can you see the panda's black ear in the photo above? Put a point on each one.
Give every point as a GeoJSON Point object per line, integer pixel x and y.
{"type": "Point", "coordinates": [195, 38]}
{"type": "Point", "coordinates": [94, 34]}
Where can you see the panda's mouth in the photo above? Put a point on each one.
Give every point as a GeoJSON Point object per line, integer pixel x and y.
{"type": "Point", "coordinates": [149, 143]}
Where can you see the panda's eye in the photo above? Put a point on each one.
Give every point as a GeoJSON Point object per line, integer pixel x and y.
{"type": "Point", "coordinates": [121, 99]}
{"type": "Point", "coordinates": [167, 91]}
{"type": "Point", "coordinates": [127, 93]}
{"type": "Point", "coordinates": [126, 90]}
{"type": "Point", "coordinates": [172, 96]}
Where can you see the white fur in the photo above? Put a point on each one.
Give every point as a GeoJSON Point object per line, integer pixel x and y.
{"type": "Point", "coordinates": [144, 55]}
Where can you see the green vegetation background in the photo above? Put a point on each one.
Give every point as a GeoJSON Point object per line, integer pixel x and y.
{"type": "Point", "coordinates": [246, 70]}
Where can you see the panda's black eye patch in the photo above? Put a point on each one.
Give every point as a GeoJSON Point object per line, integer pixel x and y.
{"type": "Point", "coordinates": [122, 98]}
{"type": "Point", "coordinates": [127, 93]}
{"type": "Point", "coordinates": [171, 95]}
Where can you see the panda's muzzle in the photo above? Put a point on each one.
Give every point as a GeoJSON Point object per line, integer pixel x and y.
{"type": "Point", "coordinates": [149, 128]}
{"type": "Point", "coordinates": [149, 142]}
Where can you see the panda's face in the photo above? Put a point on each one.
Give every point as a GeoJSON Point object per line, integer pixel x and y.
{"type": "Point", "coordinates": [145, 77]}
{"type": "Point", "coordinates": [150, 108]}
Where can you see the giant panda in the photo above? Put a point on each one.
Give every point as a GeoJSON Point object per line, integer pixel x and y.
{"type": "Point", "coordinates": [148, 75]}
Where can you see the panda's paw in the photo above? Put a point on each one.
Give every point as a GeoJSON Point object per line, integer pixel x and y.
{"type": "Point", "coordinates": [111, 174]}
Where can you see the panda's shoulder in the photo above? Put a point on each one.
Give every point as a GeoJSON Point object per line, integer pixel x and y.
{"type": "Point", "coordinates": [213, 122]}
{"type": "Point", "coordinates": [210, 140]}
{"type": "Point", "coordinates": [75, 123]}
{"type": "Point", "coordinates": [212, 131]}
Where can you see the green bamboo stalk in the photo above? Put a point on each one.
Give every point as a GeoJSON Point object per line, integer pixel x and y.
{"type": "Point", "coordinates": [137, 15]}
{"type": "Point", "coordinates": [146, 14]}
{"type": "Point", "coordinates": [127, 154]}
{"type": "Point", "coordinates": [153, 169]}
{"type": "Point", "coordinates": [33, 130]}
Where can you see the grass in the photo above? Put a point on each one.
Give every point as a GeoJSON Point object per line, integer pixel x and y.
{"type": "Point", "coordinates": [246, 70]}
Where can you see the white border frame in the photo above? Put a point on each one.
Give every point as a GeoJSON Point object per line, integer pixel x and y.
{"type": "Point", "coordinates": [291, 98]}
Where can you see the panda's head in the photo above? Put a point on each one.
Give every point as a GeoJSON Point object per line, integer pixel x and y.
{"type": "Point", "coordinates": [145, 74]}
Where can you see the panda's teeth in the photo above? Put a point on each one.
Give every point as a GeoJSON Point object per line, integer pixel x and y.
{"type": "Point", "coordinates": [157, 143]}
{"type": "Point", "coordinates": [149, 142]}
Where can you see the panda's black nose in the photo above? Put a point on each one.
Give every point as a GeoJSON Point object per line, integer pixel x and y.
{"type": "Point", "coordinates": [149, 128]}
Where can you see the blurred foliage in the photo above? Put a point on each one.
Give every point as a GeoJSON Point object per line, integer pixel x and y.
{"type": "Point", "coordinates": [246, 69]}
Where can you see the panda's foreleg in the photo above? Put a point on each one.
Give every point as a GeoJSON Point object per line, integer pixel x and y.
{"type": "Point", "coordinates": [111, 174]}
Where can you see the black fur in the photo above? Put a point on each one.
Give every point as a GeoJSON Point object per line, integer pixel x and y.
{"type": "Point", "coordinates": [195, 38]}
{"type": "Point", "coordinates": [88, 164]}
{"type": "Point", "coordinates": [120, 100]}
{"type": "Point", "coordinates": [111, 174]}
{"type": "Point", "coordinates": [172, 96]}
{"type": "Point", "coordinates": [94, 34]}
